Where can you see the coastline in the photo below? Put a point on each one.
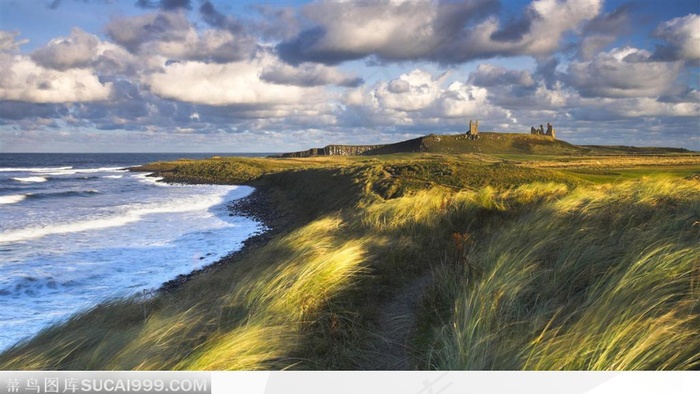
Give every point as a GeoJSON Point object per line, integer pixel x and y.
{"type": "Point", "coordinates": [257, 206]}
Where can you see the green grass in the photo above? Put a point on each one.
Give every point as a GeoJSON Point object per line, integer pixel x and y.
{"type": "Point", "coordinates": [622, 174]}
{"type": "Point", "coordinates": [500, 143]}
{"type": "Point", "coordinates": [532, 268]}
{"type": "Point", "coordinates": [605, 278]}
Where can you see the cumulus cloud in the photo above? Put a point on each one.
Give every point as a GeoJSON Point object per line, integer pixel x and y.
{"type": "Point", "coordinates": [631, 108]}
{"type": "Point", "coordinates": [24, 80]}
{"type": "Point", "coordinates": [623, 72]}
{"type": "Point", "coordinates": [221, 79]}
{"type": "Point", "coordinates": [489, 75]}
{"type": "Point", "coordinates": [9, 42]}
{"type": "Point", "coordinates": [226, 84]}
{"type": "Point", "coordinates": [214, 18]}
{"type": "Point", "coordinates": [392, 30]}
{"type": "Point", "coordinates": [614, 22]}
{"type": "Point", "coordinates": [77, 68]}
{"type": "Point", "coordinates": [547, 70]}
{"type": "Point", "coordinates": [548, 21]}
{"type": "Point", "coordinates": [83, 50]}
{"type": "Point", "coordinates": [410, 92]}
{"type": "Point", "coordinates": [682, 37]}
{"type": "Point", "coordinates": [438, 31]}
{"type": "Point", "coordinates": [171, 35]}
{"type": "Point", "coordinates": [74, 51]}
{"type": "Point", "coordinates": [418, 100]}
{"type": "Point", "coordinates": [308, 74]}
{"type": "Point", "coordinates": [601, 31]}
{"type": "Point", "coordinates": [533, 95]}
{"type": "Point", "coordinates": [132, 32]}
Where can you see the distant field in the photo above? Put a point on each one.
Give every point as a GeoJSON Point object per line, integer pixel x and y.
{"type": "Point", "coordinates": [437, 260]}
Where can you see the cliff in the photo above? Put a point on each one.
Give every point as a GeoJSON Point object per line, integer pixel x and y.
{"type": "Point", "coordinates": [333, 150]}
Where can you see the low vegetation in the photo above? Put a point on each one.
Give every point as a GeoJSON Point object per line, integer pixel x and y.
{"type": "Point", "coordinates": [518, 266]}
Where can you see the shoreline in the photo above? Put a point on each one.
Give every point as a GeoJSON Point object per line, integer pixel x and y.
{"type": "Point", "coordinates": [257, 206]}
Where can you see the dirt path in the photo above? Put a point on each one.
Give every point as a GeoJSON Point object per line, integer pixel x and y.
{"type": "Point", "coordinates": [396, 322]}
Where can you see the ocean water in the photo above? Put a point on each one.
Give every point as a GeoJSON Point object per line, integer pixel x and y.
{"type": "Point", "coordinates": [77, 229]}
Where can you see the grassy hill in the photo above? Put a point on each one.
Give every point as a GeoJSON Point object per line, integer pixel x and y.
{"type": "Point", "coordinates": [425, 260]}
{"type": "Point", "coordinates": [500, 143]}
{"type": "Point", "coordinates": [488, 143]}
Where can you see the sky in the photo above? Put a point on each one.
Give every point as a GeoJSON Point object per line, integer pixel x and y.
{"type": "Point", "coordinates": [218, 76]}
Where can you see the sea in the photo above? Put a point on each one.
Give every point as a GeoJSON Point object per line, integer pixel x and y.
{"type": "Point", "coordinates": [78, 229]}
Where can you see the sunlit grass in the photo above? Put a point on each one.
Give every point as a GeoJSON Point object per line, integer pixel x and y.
{"type": "Point", "coordinates": [604, 278]}
{"type": "Point", "coordinates": [530, 269]}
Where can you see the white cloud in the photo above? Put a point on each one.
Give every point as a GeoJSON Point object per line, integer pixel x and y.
{"type": "Point", "coordinates": [24, 80]}
{"type": "Point", "coordinates": [638, 107]}
{"type": "Point", "coordinates": [171, 35]}
{"type": "Point", "coordinates": [75, 51]}
{"type": "Point", "coordinates": [441, 31]}
{"type": "Point", "coordinates": [9, 42]}
{"type": "Point", "coordinates": [555, 18]}
{"type": "Point", "coordinates": [419, 90]}
{"type": "Point", "coordinates": [623, 72]}
{"type": "Point", "coordinates": [132, 32]}
{"type": "Point", "coordinates": [161, 72]}
{"type": "Point", "coordinates": [490, 75]}
{"type": "Point", "coordinates": [419, 99]}
{"type": "Point", "coordinates": [683, 38]}
{"type": "Point", "coordinates": [227, 84]}
{"type": "Point", "coordinates": [307, 74]}
{"type": "Point", "coordinates": [393, 29]}
{"type": "Point", "coordinates": [462, 100]}
{"type": "Point", "coordinates": [218, 46]}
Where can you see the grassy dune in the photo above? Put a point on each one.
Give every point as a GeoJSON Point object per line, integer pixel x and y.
{"type": "Point", "coordinates": [527, 268]}
{"type": "Point", "coordinates": [603, 278]}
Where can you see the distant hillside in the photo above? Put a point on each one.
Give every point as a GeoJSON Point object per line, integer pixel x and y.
{"type": "Point", "coordinates": [487, 143]}
{"type": "Point", "coordinates": [493, 143]}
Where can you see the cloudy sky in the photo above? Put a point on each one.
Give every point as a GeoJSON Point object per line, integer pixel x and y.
{"type": "Point", "coordinates": [217, 76]}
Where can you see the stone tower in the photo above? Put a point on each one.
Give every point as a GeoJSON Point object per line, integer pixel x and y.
{"type": "Point", "coordinates": [473, 132]}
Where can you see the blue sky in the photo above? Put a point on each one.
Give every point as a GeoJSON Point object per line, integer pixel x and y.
{"type": "Point", "coordinates": [197, 75]}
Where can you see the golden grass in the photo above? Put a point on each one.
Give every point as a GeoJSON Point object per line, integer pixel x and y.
{"type": "Point", "coordinates": [601, 279]}
{"type": "Point", "coordinates": [531, 270]}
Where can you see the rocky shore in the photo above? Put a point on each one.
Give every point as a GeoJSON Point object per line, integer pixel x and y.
{"type": "Point", "coordinates": [257, 206]}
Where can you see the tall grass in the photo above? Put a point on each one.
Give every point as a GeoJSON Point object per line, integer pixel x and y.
{"type": "Point", "coordinates": [604, 278]}
{"type": "Point", "coordinates": [528, 271]}
{"type": "Point", "coordinates": [246, 317]}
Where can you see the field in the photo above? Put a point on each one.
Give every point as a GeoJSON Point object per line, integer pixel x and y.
{"type": "Point", "coordinates": [438, 260]}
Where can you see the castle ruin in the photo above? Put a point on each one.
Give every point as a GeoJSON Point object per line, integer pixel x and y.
{"type": "Point", "coordinates": [473, 132]}
{"type": "Point", "coordinates": [550, 132]}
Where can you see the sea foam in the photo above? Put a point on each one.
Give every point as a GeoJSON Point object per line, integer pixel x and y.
{"type": "Point", "coordinates": [12, 199]}
{"type": "Point", "coordinates": [30, 179]}
{"type": "Point", "coordinates": [120, 217]}
{"type": "Point", "coordinates": [90, 234]}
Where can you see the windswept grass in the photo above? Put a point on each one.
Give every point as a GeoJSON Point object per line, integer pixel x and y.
{"type": "Point", "coordinates": [605, 278]}
{"type": "Point", "coordinates": [530, 268]}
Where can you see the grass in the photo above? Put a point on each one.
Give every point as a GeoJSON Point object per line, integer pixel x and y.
{"type": "Point", "coordinates": [605, 278]}
{"type": "Point", "coordinates": [501, 143]}
{"type": "Point", "coordinates": [532, 267]}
